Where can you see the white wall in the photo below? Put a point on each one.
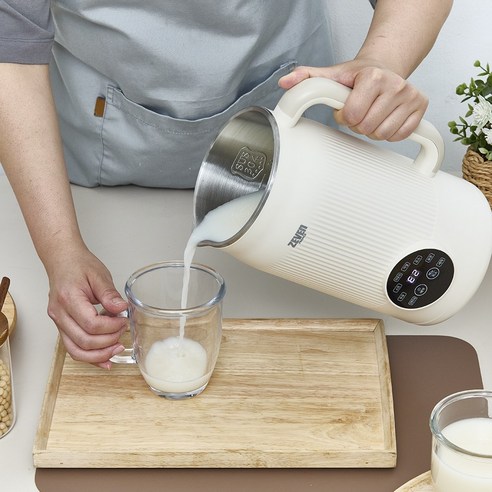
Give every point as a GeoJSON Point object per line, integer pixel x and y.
{"type": "Point", "coordinates": [466, 37]}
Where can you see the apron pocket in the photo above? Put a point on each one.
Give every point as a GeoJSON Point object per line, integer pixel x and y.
{"type": "Point", "coordinates": [146, 148]}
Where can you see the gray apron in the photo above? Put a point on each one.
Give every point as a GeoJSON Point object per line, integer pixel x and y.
{"type": "Point", "coordinates": [167, 76]}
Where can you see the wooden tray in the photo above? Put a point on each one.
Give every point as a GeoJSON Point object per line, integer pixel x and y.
{"type": "Point", "coordinates": [422, 483]}
{"type": "Point", "coordinates": [285, 393]}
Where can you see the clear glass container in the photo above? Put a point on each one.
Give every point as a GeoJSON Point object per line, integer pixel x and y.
{"type": "Point", "coordinates": [461, 426]}
{"type": "Point", "coordinates": [7, 407]}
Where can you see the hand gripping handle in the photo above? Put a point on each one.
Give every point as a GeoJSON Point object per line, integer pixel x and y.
{"type": "Point", "coordinates": [319, 90]}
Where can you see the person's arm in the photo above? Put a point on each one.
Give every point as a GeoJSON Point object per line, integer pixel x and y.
{"type": "Point", "coordinates": [402, 33]}
{"type": "Point", "coordinates": [383, 105]}
{"type": "Point", "coordinates": [32, 157]}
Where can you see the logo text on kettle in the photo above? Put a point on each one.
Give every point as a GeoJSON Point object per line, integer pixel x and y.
{"type": "Point", "coordinates": [248, 164]}
{"type": "Point", "coordinates": [298, 236]}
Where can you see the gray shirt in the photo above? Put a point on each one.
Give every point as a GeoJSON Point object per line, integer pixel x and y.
{"type": "Point", "coordinates": [26, 31]}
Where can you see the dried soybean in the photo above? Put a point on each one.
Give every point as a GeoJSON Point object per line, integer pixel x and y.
{"type": "Point", "coordinates": [6, 406]}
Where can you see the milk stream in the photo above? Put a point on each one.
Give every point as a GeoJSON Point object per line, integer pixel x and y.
{"type": "Point", "coordinates": [179, 364]}
{"type": "Point", "coordinates": [218, 225]}
{"type": "Point", "coordinates": [455, 472]}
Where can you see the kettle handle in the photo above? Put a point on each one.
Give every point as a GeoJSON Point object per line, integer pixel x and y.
{"type": "Point", "coordinates": [319, 90]}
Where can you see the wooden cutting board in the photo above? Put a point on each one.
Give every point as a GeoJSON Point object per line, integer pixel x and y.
{"type": "Point", "coordinates": [285, 393]}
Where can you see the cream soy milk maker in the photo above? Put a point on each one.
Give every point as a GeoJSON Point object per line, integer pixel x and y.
{"type": "Point", "coordinates": [345, 216]}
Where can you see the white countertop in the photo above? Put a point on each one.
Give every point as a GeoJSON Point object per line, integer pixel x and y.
{"type": "Point", "coordinates": [130, 227]}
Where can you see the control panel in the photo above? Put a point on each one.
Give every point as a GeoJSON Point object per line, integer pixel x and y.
{"type": "Point", "coordinates": [420, 278]}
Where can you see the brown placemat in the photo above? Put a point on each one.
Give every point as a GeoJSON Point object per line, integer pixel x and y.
{"type": "Point", "coordinates": [424, 369]}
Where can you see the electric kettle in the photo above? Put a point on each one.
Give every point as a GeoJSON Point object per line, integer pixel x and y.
{"type": "Point", "coordinates": [345, 216]}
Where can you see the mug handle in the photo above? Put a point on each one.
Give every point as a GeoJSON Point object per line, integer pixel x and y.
{"type": "Point", "coordinates": [319, 90]}
{"type": "Point", "coordinates": [125, 357]}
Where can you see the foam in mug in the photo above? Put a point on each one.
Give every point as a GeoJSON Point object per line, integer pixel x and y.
{"type": "Point", "coordinates": [179, 364]}
{"type": "Point", "coordinates": [176, 365]}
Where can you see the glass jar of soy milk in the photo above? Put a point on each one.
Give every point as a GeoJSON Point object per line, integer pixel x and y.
{"type": "Point", "coordinates": [7, 408]}
{"type": "Point", "coordinates": [461, 426]}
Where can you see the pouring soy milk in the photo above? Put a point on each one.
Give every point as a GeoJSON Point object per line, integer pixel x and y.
{"type": "Point", "coordinates": [178, 363]}
{"type": "Point", "coordinates": [219, 225]}
{"type": "Point", "coordinates": [180, 357]}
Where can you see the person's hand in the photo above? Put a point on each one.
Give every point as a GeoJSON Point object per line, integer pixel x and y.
{"type": "Point", "coordinates": [382, 105]}
{"type": "Point", "coordinates": [79, 281]}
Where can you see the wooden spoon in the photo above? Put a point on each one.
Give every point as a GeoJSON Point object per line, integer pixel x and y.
{"type": "Point", "coordinates": [4, 288]}
{"type": "Point", "coordinates": [4, 322]}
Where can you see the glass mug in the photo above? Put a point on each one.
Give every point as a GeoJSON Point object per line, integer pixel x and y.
{"type": "Point", "coordinates": [461, 426]}
{"type": "Point", "coordinates": [175, 348]}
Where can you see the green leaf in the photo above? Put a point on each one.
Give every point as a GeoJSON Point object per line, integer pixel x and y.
{"type": "Point", "coordinates": [487, 91]}
{"type": "Point", "coordinates": [483, 151]}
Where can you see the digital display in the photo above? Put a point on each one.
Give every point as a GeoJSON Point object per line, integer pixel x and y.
{"type": "Point", "coordinates": [412, 278]}
{"type": "Point", "coordinates": [420, 278]}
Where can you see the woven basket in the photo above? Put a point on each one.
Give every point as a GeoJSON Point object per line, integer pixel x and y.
{"type": "Point", "coordinates": [478, 171]}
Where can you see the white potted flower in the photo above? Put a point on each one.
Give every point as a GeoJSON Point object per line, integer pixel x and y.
{"type": "Point", "coordinates": [476, 133]}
